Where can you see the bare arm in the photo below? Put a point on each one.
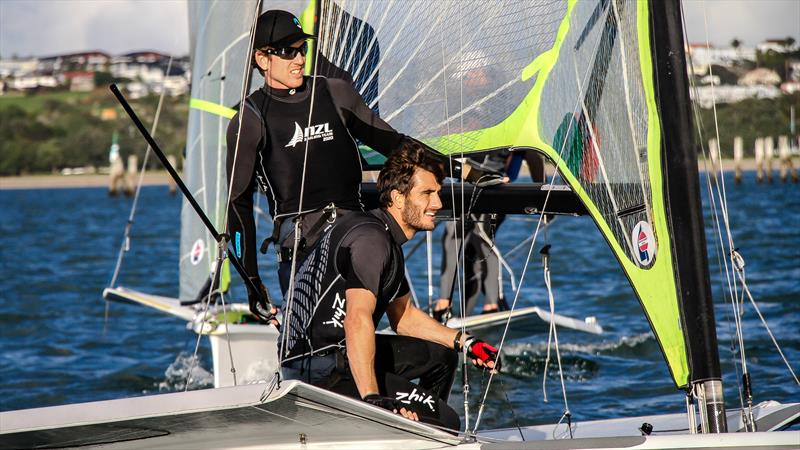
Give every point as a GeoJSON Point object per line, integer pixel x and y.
{"type": "Point", "coordinates": [408, 320]}
{"type": "Point", "coordinates": [359, 333]}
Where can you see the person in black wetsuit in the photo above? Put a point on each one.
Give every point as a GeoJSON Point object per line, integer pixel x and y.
{"type": "Point", "coordinates": [267, 143]}
{"type": "Point", "coordinates": [481, 264]}
{"type": "Point", "coordinates": [354, 275]}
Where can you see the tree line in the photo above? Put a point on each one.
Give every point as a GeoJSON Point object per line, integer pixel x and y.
{"type": "Point", "coordinates": [46, 132]}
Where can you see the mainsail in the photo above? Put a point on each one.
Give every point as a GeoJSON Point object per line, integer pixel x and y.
{"type": "Point", "coordinates": [573, 80]}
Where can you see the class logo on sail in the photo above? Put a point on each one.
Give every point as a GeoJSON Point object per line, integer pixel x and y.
{"type": "Point", "coordinates": [198, 249]}
{"type": "Point", "coordinates": [309, 133]}
{"type": "Point", "coordinates": [644, 243]}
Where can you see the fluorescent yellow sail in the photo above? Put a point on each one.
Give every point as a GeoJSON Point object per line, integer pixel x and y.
{"type": "Point", "coordinates": [573, 80]}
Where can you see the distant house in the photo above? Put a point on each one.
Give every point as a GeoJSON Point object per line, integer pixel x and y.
{"type": "Point", "coordinates": [92, 61]}
{"type": "Point", "coordinates": [707, 96]}
{"type": "Point", "coordinates": [760, 76]}
{"type": "Point", "coordinates": [79, 81]}
{"type": "Point", "coordinates": [17, 67]}
{"type": "Point", "coordinates": [702, 56]}
{"type": "Point", "coordinates": [27, 82]}
{"type": "Point", "coordinates": [776, 45]}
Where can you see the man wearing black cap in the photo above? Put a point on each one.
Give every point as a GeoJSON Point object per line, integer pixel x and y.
{"type": "Point", "coordinates": [308, 163]}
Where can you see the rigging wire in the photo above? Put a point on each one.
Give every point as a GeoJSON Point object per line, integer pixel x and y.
{"type": "Point", "coordinates": [222, 243]}
{"type": "Point", "coordinates": [298, 220]}
{"type": "Point", "coordinates": [559, 163]}
{"type": "Point", "coordinates": [731, 293]}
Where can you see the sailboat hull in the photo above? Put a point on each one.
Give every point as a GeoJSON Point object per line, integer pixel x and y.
{"type": "Point", "coordinates": [297, 415]}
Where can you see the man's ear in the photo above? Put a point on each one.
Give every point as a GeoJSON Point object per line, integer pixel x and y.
{"type": "Point", "coordinates": [398, 199]}
{"type": "Point", "coordinates": [262, 60]}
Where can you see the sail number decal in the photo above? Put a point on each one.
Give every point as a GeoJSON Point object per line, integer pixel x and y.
{"type": "Point", "coordinates": [644, 243]}
{"type": "Point", "coordinates": [198, 249]}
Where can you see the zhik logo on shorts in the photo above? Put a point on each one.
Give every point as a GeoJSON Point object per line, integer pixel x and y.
{"type": "Point", "coordinates": [310, 133]}
{"type": "Point", "coordinates": [414, 396]}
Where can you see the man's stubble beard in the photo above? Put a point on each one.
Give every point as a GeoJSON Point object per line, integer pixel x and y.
{"type": "Point", "coordinates": [412, 217]}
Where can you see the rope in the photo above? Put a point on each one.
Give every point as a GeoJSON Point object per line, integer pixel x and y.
{"type": "Point", "coordinates": [553, 337]}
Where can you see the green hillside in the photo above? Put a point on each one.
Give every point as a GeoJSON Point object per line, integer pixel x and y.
{"type": "Point", "coordinates": [750, 119]}
{"type": "Point", "coordinates": [45, 132]}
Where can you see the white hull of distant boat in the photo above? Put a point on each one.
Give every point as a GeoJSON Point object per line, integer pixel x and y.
{"type": "Point", "coordinates": [297, 415]}
{"type": "Point", "coordinates": [253, 347]}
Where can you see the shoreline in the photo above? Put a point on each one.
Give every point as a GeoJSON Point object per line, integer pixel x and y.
{"type": "Point", "coordinates": [52, 181]}
{"type": "Point", "coordinates": [161, 178]}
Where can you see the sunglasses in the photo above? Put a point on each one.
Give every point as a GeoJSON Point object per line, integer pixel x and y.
{"type": "Point", "coordinates": [287, 52]}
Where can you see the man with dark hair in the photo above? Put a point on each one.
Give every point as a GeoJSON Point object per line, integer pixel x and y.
{"type": "Point", "coordinates": [351, 278]}
{"type": "Point", "coordinates": [309, 165]}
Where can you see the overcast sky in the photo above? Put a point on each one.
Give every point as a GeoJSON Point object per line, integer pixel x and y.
{"type": "Point", "coordinates": [46, 27]}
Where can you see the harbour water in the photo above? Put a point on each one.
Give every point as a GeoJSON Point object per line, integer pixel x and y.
{"type": "Point", "coordinates": [61, 343]}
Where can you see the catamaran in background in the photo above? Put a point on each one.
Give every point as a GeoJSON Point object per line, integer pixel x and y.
{"type": "Point", "coordinates": [600, 88]}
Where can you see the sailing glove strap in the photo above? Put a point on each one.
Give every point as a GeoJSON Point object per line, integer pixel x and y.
{"type": "Point", "coordinates": [480, 350]}
{"type": "Point", "coordinates": [259, 302]}
{"type": "Point", "coordinates": [382, 402]}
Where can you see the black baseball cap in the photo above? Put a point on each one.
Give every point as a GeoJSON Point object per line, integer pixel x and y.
{"type": "Point", "coordinates": [276, 28]}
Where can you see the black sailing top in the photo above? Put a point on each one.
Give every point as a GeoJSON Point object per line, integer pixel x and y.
{"type": "Point", "coordinates": [271, 149]}
{"type": "Point", "coordinates": [362, 250]}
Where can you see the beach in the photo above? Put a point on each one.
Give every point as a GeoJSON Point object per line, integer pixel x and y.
{"type": "Point", "coordinates": [55, 181]}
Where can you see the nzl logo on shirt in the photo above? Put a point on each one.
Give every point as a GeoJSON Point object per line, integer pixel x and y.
{"type": "Point", "coordinates": [321, 131]}
{"type": "Point", "coordinates": [644, 243]}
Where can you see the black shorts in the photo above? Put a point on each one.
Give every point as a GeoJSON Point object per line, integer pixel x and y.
{"type": "Point", "coordinates": [398, 361]}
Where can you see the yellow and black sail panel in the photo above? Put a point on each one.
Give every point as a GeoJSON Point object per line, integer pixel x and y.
{"type": "Point", "coordinates": [573, 80]}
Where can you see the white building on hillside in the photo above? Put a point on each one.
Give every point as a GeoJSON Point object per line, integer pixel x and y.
{"type": "Point", "coordinates": [776, 45]}
{"type": "Point", "coordinates": [707, 96]}
{"type": "Point", "coordinates": [702, 56]}
{"type": "Point", "coordinates": [760, 76]}
{"type": "Point", "coordinates": [17, 67]}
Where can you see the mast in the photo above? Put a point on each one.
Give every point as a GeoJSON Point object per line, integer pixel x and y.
{"type": "Point", "coordinates": [682, 195]}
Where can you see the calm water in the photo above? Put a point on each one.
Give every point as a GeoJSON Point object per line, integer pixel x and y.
{"type": "Point", "coordinates": [60, 345]}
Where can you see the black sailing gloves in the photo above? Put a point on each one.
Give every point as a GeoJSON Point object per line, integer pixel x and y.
{"type": "Point", "coordinates": [482, 353]}
{"type": "Point", "coordinates": [260, 304]}
{"type": "Point", "coordinates": [383, 402]}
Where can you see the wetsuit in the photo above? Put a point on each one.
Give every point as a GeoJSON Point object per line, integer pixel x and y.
{"type": "Point", "coordinates": [363, 251]}
{"type": "Point", "coordinates": [270, 155]}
